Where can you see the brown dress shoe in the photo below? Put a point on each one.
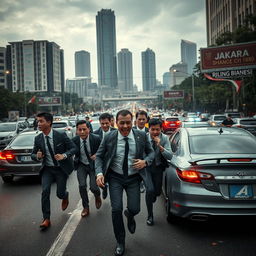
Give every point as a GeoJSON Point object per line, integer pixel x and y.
{"type": "Point", "coordinates": [45, 224]}
{"type": "Point", "coordinates": [64, 204]}
{"type": "Point", "coordinates": [85, 212]}
{"type": "Point", "coordinates": [98, 202]}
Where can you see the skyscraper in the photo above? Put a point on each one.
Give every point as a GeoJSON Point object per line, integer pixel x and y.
{"type": "Point", "coordinates": [148, 70]}
{"type": "Point", "coordinates": [3, 67]}
{"type": "Point", "coordinates": [82, 64]}
{"type": "Point", "coordinates": [106, 48]}
{"type": "Point", "coordinates": [125, 72]}
{"type": "Point", "coordinates": [36, 66]}
{"type": "Point", "coordinates": [188, 54]}
{"type": "Point", "coordinates": [226, 15]}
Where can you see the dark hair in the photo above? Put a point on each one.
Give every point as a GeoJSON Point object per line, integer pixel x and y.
{"type": "Point", "coordinates": [87, 117]}
{"type": "Point", "coordinates": [83, 122]}
{"type": "Point", "coordinates": [105, 116]}
{"type": "Point", "coordinates": [47, 116]}
{"type": "Point", "coordinates": [123, 112]}
{"type": "Point", "coordinates": [142, 112]}
{"type": "Point", "coordinates": [154, 121]}
{"type": "Point", "coordinates": [111, 116]}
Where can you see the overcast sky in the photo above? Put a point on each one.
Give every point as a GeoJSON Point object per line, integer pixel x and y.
{"type": "Point", "coordinates": [140, 24]}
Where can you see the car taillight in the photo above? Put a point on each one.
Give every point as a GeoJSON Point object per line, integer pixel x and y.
{"type": "Point", "coordinates": [239, 160]}
{"type": "Point", "coordinates": [178, 122]}
{"type": "Point", "coordinates": [6, 156]}
{"type": "Point", "coordinates": [193, 176]}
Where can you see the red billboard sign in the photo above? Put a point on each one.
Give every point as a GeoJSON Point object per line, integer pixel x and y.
{"type": "Point", "coordinates": [174, 94]}
{"type": "Point", "coordinates": [49, 101]}
{"type": "Point", "coordinates": [237, 56]}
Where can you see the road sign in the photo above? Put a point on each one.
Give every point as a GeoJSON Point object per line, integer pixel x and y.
{"type": "Point", "coordinates": [178, 94]}
{"type": "Point", "coordinates": [49, 101]}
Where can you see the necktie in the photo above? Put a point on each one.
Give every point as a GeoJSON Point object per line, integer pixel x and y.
{"type": "Point", "coordinates": [153, 144]}
{"type": "Point", "coordinates": [125, 163]}
{"type": "Point", "coordinates": [86, 151]}
{"type": "Point", "coordinates": [50, 150]}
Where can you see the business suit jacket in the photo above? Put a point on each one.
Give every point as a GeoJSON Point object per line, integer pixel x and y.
{"type": "Point", "coordinates": [135, 127]}
{"type": "Point", "coordinates": [62, 145]}
{"type": "Point", "coordinates": [100, 132]}
{"type": "Point", "coordinates": [108, 147]}
{"type": "Point", "coordinates": [166, 155]}
{"type": "Point", "coordinates": [94, 141]}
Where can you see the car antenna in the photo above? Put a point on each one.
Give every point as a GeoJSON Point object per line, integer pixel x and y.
{"type": "Point", "coordinates": [220, 131]}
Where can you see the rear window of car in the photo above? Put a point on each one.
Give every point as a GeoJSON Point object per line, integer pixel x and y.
{"type": "Point", "coordinates": [24, 140]}
{"type": "Point", "coordinates": [219, 118]}
{"type": "Point", "coordinates": [248, 122]}
{"type": "Point", "coordinates": [7, 127]}
{"type": "Point", "coordinates": [222, 144]}
{"type": "Point", "coordinates": [172, 119]}
{"type": "Point", "coordinates": [59, 125]}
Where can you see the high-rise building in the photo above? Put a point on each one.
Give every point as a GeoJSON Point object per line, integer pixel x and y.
{"type": "Point", "coordinates": [35, 66]}
{"type": "Point", "coordinates": [167, 79]}
{"type": "Point", "coordinates": [106, 48]}
{"type": "Point", "coordinates": [188, 54]}
{"type": "Point", "coordinates": [3, 71]}
{"type": "Point", "coordinates": [78, 85]}
{"type": "Point", "coordinates": [148, 70]}
{"type": "Point", "coordinates": [178, 73]}
{"type": "Point", "coordinates": [82, 64]}
{"type": "Point", "coordinates": [226, 15]}
{"type": "Point", "coordinates": [125, 71]}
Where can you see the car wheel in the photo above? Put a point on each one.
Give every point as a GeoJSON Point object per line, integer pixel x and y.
{"type": "Point", "coordinates": [7, 179]}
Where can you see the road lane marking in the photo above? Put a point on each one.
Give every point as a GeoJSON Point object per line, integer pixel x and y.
{"type": "Point", "coordinates": [61, 242]}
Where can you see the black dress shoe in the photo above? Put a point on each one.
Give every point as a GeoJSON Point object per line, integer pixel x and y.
{"type": "Point", "coordinates": [120, 248]}
{"type": "Point", "coordinates": [131, 224]}
{"type": "Point", "coordinates": [105, 192]}
{"type": "Point", "coordinates": [150, 221]}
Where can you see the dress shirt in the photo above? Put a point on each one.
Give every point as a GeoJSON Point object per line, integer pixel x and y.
{"type": "Point", "coordinates": [48, 158]}
{"type": "Point", "coordinates": [83, 157]}
{"type": "Point", "coordinates": [143, 129]}
{"type": "Point", "coordinates": [117, 164]}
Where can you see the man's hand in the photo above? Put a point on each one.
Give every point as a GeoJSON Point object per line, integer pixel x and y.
{"type": "Point", "coordinates": [139, 164]}
{"type": "Point", "coordinates": [59, 157]}
{"type": "Point", "coordinates": [100, 181]}
{"type": "Point", "coordinates": [39, 154]}
{"type": "Point", "coordinates": [93, 157]}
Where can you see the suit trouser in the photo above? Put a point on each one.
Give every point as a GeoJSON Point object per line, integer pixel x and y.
{"type": "Point", "coordinates": [49, 175]}
{"type": "Point", "coordinates": [131, 185]}
{"type": "Point", "coordinates": [82, 172]}
{"type": "Point", "coordinates": [153, 186]}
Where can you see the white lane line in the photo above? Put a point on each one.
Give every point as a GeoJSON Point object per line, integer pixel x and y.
{"type": "Point", "coordinates": [64, 237]}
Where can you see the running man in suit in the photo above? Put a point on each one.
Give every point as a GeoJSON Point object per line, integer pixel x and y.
{"type": "Point", "coordinates": [87, 144]}
{"type": "Point", "coordinates": [161, 145]}
{"type": "Point", "coordinates": [121, 160]}
{"type": "Point", "coordinates": [55, 150]}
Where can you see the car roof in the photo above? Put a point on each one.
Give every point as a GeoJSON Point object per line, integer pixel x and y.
{"type": "Point", "coordinates": [215, 130]}
{"type": "Point", "coordinates": [30, 132]}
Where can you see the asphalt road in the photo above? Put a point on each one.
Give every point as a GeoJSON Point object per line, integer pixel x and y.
{"type": "Point", "coordinates": [20, 216]}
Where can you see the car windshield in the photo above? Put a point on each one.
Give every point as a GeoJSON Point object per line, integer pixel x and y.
{"type": "Point", "coordinates": [172, 119]}
{"type": "Point", "coordinates": [248, 122]}
{"type": "Point", "coordinates": [59, 125]}
{"type": "Point", "coordinates": [219, 118]}
{"type": "Point", "coordinates": [7, 127]}
{"type": "Point", "coordinates": [24, 140]}
{"type": "Point", "coordinates": [222, 144]}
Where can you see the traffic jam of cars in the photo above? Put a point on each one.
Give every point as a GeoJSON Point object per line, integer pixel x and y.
{"type": "Point", "coordinates": [212, 171]}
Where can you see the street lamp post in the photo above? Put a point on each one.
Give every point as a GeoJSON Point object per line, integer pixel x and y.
{"type": "Point", "coordinates": [193, 86]}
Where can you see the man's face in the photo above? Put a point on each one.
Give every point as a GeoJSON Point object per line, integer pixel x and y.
{"type": "Point", "coordinates": [83, 131]}
{"type": "Point", "coordinates": [141, 121]}
{"type": "Point", "coordinates": [124, 124]}
{"type": "Point", "coordinates": [154, 130]}
{"type": "Point", "coordinates": [105, 124]}
{"type": "Point", "coordinates": [43, 125]}
{"type": "Point", "coordinates": [112, 122]}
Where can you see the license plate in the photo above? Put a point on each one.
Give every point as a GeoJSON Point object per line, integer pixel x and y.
{"type": "Point", "coordinates": [172, 124]}
{"type": "Point", "coordinates": [240, 191]}
{"type": "Point", "coordinates": [25, 158]}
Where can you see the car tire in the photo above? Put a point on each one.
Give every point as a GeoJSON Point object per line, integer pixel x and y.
{"type": "Point", "coordinates": [7, 179]}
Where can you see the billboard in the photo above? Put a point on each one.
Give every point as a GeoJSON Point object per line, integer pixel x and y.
{"type": "Point", "coordinates": [232, 57]}
{"type": "Point", "coordinates": [49, 101]}
{"type": "Point", "coordinates": [174, 94]}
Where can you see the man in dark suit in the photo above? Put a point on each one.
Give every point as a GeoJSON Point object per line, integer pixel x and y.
{"type": "Point", "coordinates": [121, 160]}
{"type": "Point", "coordinates": [105, 128]}
{"type": "Point", "coordinates": [161, 145]}
{"type": "Point", "coordinates": [55, 150]}
{"type": "Point", "coordinates": [140, 124]}
{"type": "Point", "coordinates": [87, 144]}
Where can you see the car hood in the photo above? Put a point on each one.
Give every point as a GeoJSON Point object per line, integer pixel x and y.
{"type": "Point", "coordinates": [6, 134]}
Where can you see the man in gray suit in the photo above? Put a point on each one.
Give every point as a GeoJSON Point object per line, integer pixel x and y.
{"type": "Point", "coordinates": [121, 160]}
{"type": "Point", "coordinates": [161, 145]}
{"type": "Point", "coordinates": [55, 150]}
{"type": "Point", "coordinates": [87, 144]}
